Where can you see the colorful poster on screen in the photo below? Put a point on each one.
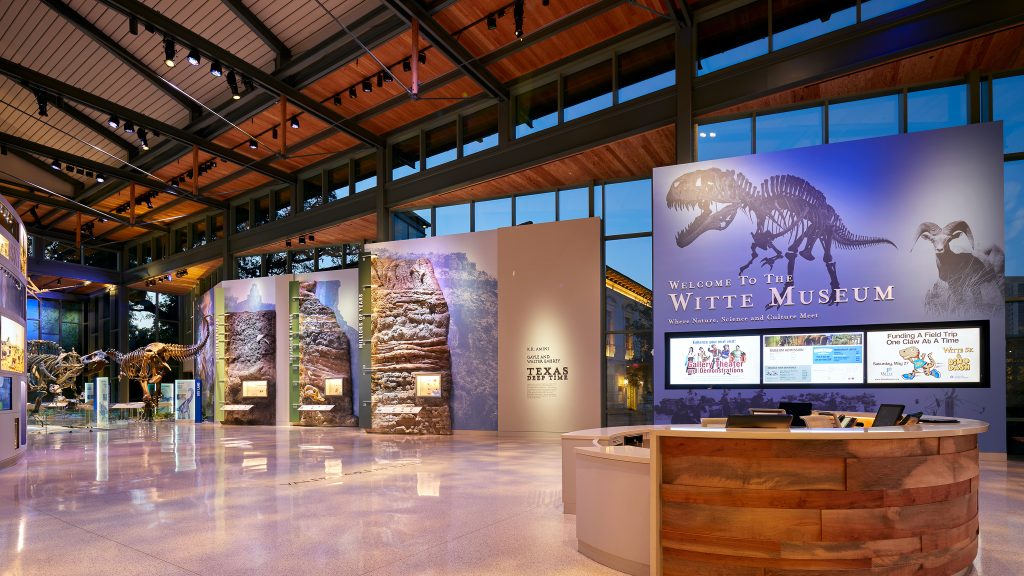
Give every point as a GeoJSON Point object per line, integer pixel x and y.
{"type": "Point", "coordinates": [885, 231]}
{"type": "Point", "coordinates": [824, 358]}
{"type": "Point", "coordinates": [712, 361]}
{"type": "Point", "coordinates": [925, 357]}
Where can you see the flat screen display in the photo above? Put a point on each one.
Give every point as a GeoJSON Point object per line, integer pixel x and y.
{"type": "Point", "coordinates": [6, 392]}
{"type": "Point", "coordinates": [926, 356]}
{"type": "Point", "coordinates": [814, 358]}
{"type": "Point", "coordinates": [709, 360]}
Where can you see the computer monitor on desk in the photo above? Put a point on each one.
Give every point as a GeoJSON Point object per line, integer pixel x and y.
{"type": "Point", "coordinates": [759, 421]}
{"type": "Point", "coordinates": [798, 410]}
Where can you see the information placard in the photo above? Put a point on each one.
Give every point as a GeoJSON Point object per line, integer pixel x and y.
{"type": "Point", "coordinates": [334, 386]}
{"type": "Point", "coordinates": [428, 384]}
{"type": "Point", "coordinates": [101, 404]}
{"type": "Point", "coordinates": [316, 407]}
{"type": "Point", "coordinates": [926, 357]}
{"type": "Point", "coordinates": [814, 358]}
{"type": "Point", "coordinates": [184, 396]}
{"type": "Point", "coordinates": [699, 360]}
{"type": "Point", "coordinates": [254, 388]}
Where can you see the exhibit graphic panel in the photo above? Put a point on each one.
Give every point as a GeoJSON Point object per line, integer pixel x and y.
{"type": "Point", "coordinates": [186, 404]}
{"type": "Point", "coordinates": [12, 345]}
{"type": "Point", "coordinates": [550, 297]}
{"type": "Point", "coordinates": [206, 361]}
{"type": "Point", "coordinates": [885, 231]}
{"type": "Point", "coordinates": [249, 351]}
{"type": "Point", "coordinates": [101, 403]}
{"type": "Point", "coordinates": [324, 338]}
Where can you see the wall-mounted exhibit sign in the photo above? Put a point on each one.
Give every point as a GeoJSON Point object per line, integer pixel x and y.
{"type": "Point", "coordinates": [930, 356]}
{"type": "Point", "coordinates": [882, 232]}
{"type": "Point", "coordinates": [6, 393]}
{"type": "Point", "coordinates": [186, 407]}
{"type": "Point", "coordinates": [12, 345]}
{"type": "Point", "coordinates": [254, 388]}
{"type": "Point", "coordinates": [428, 384]}
{"type": "Point", "coordinates": [101, 404]}
{"type": "Point", "coordinates": [334, 386]}
{"type": "Point", "coordinates": [316, 407]}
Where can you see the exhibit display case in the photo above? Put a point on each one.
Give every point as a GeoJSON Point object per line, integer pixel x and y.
{"type": "Point", "coordinates": [13, 387]}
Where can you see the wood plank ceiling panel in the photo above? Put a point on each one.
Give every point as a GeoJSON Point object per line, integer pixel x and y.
{"type": "Point", "coordinates": [57, 130]}
{"type": "Point", "coordinates": [261, 126]}
{"type": "Point", "coordinates": [479, 40]}
{"type": "Point", "coordinates": [997, 51]}
{"type": "Point", "coordinates": [574, 40]}
{"type": "Point", "coordinates": [212, 20]}
{"type": "Point", "coordinates": [38, 38]}
{"type": "Point", "coordinates": [352, 74]}
{"type": "Point", "coordinates": [302, 24]}
{"type": "Point", "coordinates": [238, 186]}
{"type": "Point", "coordinates": [632, 157]}
{"type": "Point", "coordinates": [348, 232]}
{"type": "Point", "coordinates": [180, 286]}
{"type": "Point", "coordinates": [413, 110]}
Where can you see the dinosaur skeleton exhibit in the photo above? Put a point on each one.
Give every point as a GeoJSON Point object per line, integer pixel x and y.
{"type": "Point", "coordinates": [53, 370]}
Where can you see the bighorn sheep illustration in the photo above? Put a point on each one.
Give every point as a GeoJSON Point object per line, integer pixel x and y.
{"type": "Point", "coordinates": [964, 277]}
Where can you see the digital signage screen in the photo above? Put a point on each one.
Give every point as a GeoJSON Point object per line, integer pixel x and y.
{"type": "Point", "coordinates": [813, 358]}
{"type": "Point", "coordinates": [928, 356]}
{"type": "Point", "coordinates": [706, 360]}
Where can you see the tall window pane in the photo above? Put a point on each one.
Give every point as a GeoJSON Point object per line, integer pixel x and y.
{"type": "Point", "coordinates": [366, 173]}
{"type": "Point", "coordinates": [872, 8]}
{"type": "Point", "coordinates": [573, 203]}
{"type": "Point", "coordinates": [630, 257]}
{"type": "Point", "coordinates": [441, 145]}
{"type": "Point", "coordinates": [180, 237]}
{"type": "Point", "coordinates": [1013, 201]}
{"type": "Point", "coordinates": [248, 266]}
{"type": "Point", "coordinates": [536, 109]}
{"type": "Point", "coordinates": [536, 208]}
{"type": "Point", "coordinates": [199, 233]}
{"type": "Point", "coordinates": [284, 203]}
{"type": "Point", "coordinates": [937, 108]}
{"type": "Point", "coordinates": [785, 130]}
{"type": "Point", "coordinates": [303, 261]}
{"type": "Point", "coordinates": [261, 210]}
{"type": "Point", "coordinates": [480, 130]}
{"type": "Point", "coordinates": [647, 69]}
{"type": "Point", "coordinates": [277, 263]}
{"type": "Point", "coordinates": [312, 191]}
{"type": "Point", "coordinates": [588, 90]}
{"type": "Point", "coordinates": [1008, 106]}
{"type": "Point", "coordinates": [424, 214]}
{"type": "Point", "coordinates": [492, 214]}
{"type": "Point", "coordinates": [627, 207]}
{"type": "Point", "coordinates": [218, 227]}
{"type": "Point", "coordinates": [242, 217]}
{"type": "Point", "coordinates": [337, 182]}
{"type": "Point", "coordinates": [330, 258]}
{"type": "Point", "coordinates": [733, 37]}
{"type": "Point", "coordinates": [723, 139]}
{"type": "Point", "coordinates": [452, 219]}
{"type": "Point", "coordinates": [867, 118]}
{"type": "Point", "coordinates": [797, 20]}
{"type": "Point", "coordinates": [405, 157]}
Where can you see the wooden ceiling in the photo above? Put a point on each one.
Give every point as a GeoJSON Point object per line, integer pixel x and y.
{"type": "Point", "coordinates": [352, 231]}
{"type": "Point", "coordinates": [178, 285]}
{"type": "Point", "coordinates": [62, 40]}
{"type": "Point", "coordinates": [55, 284]}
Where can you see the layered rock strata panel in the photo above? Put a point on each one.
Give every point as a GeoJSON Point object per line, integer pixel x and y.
{"type": "Point", "coordinates": [250, 354]}
{"type": "Point", "coordinates": [324, 352]}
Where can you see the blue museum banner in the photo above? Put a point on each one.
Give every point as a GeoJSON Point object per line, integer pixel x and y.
{"type": "Point", "coordinates": [848, 274]}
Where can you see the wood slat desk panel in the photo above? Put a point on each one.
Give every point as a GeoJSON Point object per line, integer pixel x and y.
{"type": "Point", "coordinates": [790, 503]}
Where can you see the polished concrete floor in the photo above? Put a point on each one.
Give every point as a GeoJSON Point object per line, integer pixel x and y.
{"type": "Point", "coordinates": [165, 499]}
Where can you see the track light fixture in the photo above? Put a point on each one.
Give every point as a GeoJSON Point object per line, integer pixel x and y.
{"type": "Point", "coordinates": [380, 79]}
{"type": "Point", "coordinates": [517, 15]}
{"type": "Point", "coordinates": [388, 77]}
{"type": "Point", "coordinates": [194, 57]}
{"type": "Point", "coordinates": [492, 21]}
{"type": "Point", "coordinates": [352, 92]}
{"type": "Point", "coordinates": [133, 25]}
{"type": "Point", "coordinates": [233, 84]}
{"type": "Point", "coordinates": [302, 240]}
{"type": "Point", "coordinates": [215, 69]}
{"type": "Point", "coordinates": [545, 2]}
{"type": "Point", "coordinates": [80, 171]}
{"type": "Point", "coordinates": [367, 86]}
{"type": "Point", "coordinates": [406, 65]}
{"type": "Point", "coordinates": [3, 149]}
{"type": "Point", "coordinates": [42, 102]}
{"type": "Point", "coordinates": [294, 122]}
{"type": "Point", "coordinates": [129, 127]}
{"type": "Point", "coordinates": [247, 84]}
{"type": "Point", "coordinates": [310, 237]}
{"type": "Point", "coordinates": [69, 168]}
{"type": "Point", "coordinates": [253, 144]}
{"type": "Point", "coordinates": [288, 243]}
{"type": "Point", "coordinates": [423, 57]}
{"type": "Point", "coordinates": [89, 174]}
{"type": "Point", "coordinates": [101, 179]}
{"type": "Point", "coordinates": [169, 51]}
{"type": "Point", "coordinates": [113, 121]}
{"type": "Point", "coordinates": [273, 132]}
{"type": "Point", "coordinates": [149, 202]}
{"type": "Point", "coordinates": [55, 165]}
{"type": "Point", "coordinates": [337, 100]}
{"type": "Point", "coordinates": [143, 138]}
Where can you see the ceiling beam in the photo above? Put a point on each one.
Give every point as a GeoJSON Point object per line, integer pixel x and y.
{"type": "Point", "coordinates": [122, 54]}
{"type": "Point", "coordinates": [53, 200]}
{"type": "Point", "coordinates": [74, 182]}
{"type": "Point", "coordinates": [69, 92]}
{"type": "Point", "coordinates": [240, 65]}
{"type": "Point", "coordinates": [258, 28]}
{"type": "Point", "coordinates": [411, 11]}
{"type": "Point", "coordinates": [105, 169]}
{"type": "Point", "coordinates": [148, 214]}
{"type": "Point", "coordinates": [97, 128]}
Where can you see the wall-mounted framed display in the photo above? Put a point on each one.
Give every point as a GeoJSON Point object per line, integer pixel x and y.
{"type": "Point", "coordinates": [6, 393]}
{"type": "Point", "coordinates": [920, 355]}
{"type": "Point", "coordinates": [334, 386]}
{"type": "Point", "coordinates": [12, 345]}
{"type": "Point", "coordinates": [428, 384]}
{"type": "Point", "coordinates": [254, 388]}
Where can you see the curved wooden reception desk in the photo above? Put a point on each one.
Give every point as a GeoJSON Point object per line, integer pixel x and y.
{"type": "Point", "coordinates": [879, 501]}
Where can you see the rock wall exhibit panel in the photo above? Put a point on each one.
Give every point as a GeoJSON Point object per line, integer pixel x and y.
{"type": "Point", "coordinates": [884, 231]}
{"type": "Point", "coordinates": [324, 339]}
{"type": "Point", "coordinates": [549, 312]}
{"type": "Point", "coordinates": [249, 351]}
{"type": "Point", "coordinates": [434, 334]}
